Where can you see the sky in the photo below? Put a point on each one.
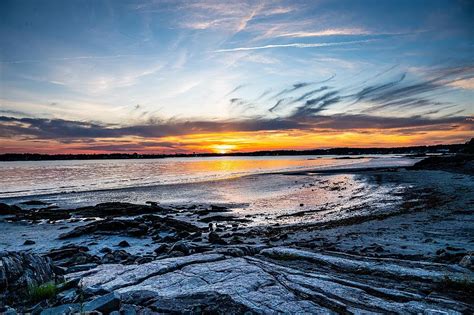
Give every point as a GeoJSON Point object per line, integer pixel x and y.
{"type": "Point", "coordinates": [83, 76]}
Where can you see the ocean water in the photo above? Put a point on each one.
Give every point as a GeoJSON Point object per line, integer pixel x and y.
{"type": "Point", "coordinates": [255, 188]}
{"type": "Point", "coordinates": [35, 178]}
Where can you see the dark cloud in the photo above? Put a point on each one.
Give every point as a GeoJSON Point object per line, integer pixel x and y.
{"type": "Point", "coordinates": [265, 93]}
{"type": "Point", "coordinates": [380, 74]}
{"type": "Point", "coordinates": [126, 147]}
{"type": "Point", "coordinates": [371, 90]}
{"type": "Point", "coordinates": [316, 105]}
{"type": "Point", "coordinates": [326, 80]}
{"type": "Point", "coordinates": [277, 104]}
{"type": "Point", "coordinates": [238, 87]}
{"type": "Point", "coordinates": [293, 88]}
{"type": "Point", "coordinates": [62, 130]}
{"type": "Point", "coordinates": [310, 93]}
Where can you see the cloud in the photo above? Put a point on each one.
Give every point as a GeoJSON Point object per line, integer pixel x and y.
{"type": "Point", "coordinates": [370, 90]}
{"type": "Point", "coordinates": [316, 105]}
{"type": "Point", "coordinates": [327, 32]}
{"type": "Point", "coordinates": [319, 109]}
{"type": "Point", "coordinates": [465, 84]}
{"type": "Point", "coordinates": [63, 131]}
{"type": "Point", "coordinates": [293, 88]}
{"type": "Point", "coordinates": [238, 87]}
{"type": "Point", "coordinates": [294, 45]}
{"type": "Point", "coordinates": [278, 103]}
{"type": "Point", "coordinates": [310, 93]}
{"type": "Point", "coordinates": [73, 58]}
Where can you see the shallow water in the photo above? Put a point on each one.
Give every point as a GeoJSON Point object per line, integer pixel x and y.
{"type": "Point", "coordinates": [263, 195]}
{"type": "Point", "coordinates": [46, 177]}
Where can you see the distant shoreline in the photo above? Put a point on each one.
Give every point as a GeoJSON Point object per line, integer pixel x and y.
{"type": "Point", "coordinates": [415, 150]}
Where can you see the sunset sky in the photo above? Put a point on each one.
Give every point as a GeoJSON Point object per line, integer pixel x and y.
{"type": "Point", "coordinates": [224, 76]}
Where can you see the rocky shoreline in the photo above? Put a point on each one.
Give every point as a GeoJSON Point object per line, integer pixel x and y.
{"type": "Point", "coordinates": [416, 256]}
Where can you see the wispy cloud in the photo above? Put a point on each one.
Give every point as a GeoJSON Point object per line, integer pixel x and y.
{"type": "Point", "coordinates": [465, 84]}
{"type": "Point", "coordinates": [238, 87]}
{"type": "Point", "coordinates": [294, 45]}
{"type": "Point", "coordinates": [91, 57]}
{"type": "Point", "coordinates": [327, 32]}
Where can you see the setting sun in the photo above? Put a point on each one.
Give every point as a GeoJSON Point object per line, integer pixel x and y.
{"type": "Point", "coordinates": [223, 148]}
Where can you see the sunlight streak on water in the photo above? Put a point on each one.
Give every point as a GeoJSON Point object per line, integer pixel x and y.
{"type": "Point", "coordinates": [45, 177]}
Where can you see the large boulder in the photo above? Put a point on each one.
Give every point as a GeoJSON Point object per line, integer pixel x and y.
{"type": "Point", "coordinates": [19, 271]}
{"type": "Point", "coordinates": [108, 226]}
{"type": "Point", "coordinates": [108, 209]}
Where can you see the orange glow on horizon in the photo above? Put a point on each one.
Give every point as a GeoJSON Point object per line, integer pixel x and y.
{"type": "Point", "coordinates": [227, 142]}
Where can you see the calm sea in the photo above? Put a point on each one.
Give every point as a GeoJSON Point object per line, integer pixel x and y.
{"type": "Point", "coordinates": [48, 177]}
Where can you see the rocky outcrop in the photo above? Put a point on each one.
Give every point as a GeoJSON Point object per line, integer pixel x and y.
{"type": "Point", "coordinates": [280, 280]}
{"type": "Point", "coordinates": [108, 226]}
{"type": "Point", "coordinates": [459, 163]}
{"type": "Point", "coordinates": [7, 209]}
{"type": "Point", "coordinates": [137, 227]}
{"type": "Point", "coordinates": [116, 209]}
{"type": "Point", "coordinates": [19, 271]}
{"type": "Point", "coordinates": [51, 214]}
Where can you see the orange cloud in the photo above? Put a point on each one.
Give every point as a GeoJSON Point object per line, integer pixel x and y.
{"type": "Point", "coordinates": [226, 142]}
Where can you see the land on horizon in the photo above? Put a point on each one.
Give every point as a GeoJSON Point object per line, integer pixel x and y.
{"type": "Point", "coordinates": [417, 150]}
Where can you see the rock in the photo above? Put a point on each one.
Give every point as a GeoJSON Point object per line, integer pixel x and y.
{"type": "Point", "coordinates": [459, 163]}
{"type": "Point", "coordinates": [66, 252]}
{"type": "Point", "coordinates": [127, 309]}
{"type": "Point", "coordinates": [143, 260]}
{"type": "Point", "coordinates": [152, 203]}
{"type": "Point", "coordinates": [42, 214]}
{"type": "Point", "coordinates": [115, 209]}
{"type": "Point", "coordinates": [123, 244]}
{"type": "Point", "coordinates": [38, 308]}
{"type": "Point", "coordinates": [62, 309]}
{"type": "Point", "coordinates": [445, 256]}
{"type": "Point", "coordinates": [195, 236]}
{"type": "Point", "coordinates": [179, 225]}
{"type": "Point", "coordinates": [7, 310]}
{"type": "Point", "coordinates": [78, 258]}
{"type": "Point", "coordinates": [67, 296]}
{"type": "Point", "coordinates": [108, 226]}
{"type": "Point", "coordinates": [161, 249]}
{"type": "Point", "coordinates": [6, 209]}
{"type": "Point", "coordinates": [118, 256]}
{"type": "Point", "coordinates": [180, 246]}
{"type": "Point", "coordinates": [313, 283]}
{"type": "Point", "coordinates": [105, 304]}
{"type": "Point", "coordinates": [467, 261]}
{"type": "Point", "coordinates": [20, 270]}
{"type": "Point", "coordinates": [214, 238]}
{"type": "Point", "coordinates": [29, 242]}
{"type": "Point", "coordinates": [200, 303]}
{"type": "Point", "coordinates": [105, 250]}
{"type": "Point", "coordinates": [218, 208]}
{"type": "Point", "coordinates": [169, 239]}
{"type": "Point", "coordinates": [83, 267]}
